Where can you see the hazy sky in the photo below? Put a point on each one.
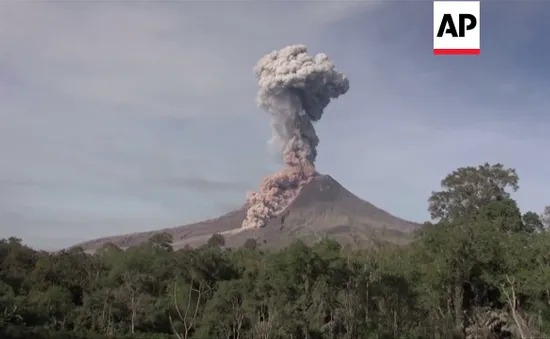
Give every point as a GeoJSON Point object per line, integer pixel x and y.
{"type": "Point", "coordinates": [123, 117]}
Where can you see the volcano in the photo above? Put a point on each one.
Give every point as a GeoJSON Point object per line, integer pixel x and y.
{"type": "Point", "coordinates": [323, 208]}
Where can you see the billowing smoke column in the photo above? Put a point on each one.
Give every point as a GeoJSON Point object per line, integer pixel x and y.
{"type": "Point", "coordinates": [294, 89]}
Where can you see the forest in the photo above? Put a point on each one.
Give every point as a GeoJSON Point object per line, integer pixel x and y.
{"type": "Point", "coordinates": [479, 269]}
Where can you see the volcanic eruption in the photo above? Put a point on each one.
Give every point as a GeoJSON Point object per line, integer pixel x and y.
{"type": "Point", "coordinates": [295, 88]}
{"type": "Point", "coordinates": [296, 202]}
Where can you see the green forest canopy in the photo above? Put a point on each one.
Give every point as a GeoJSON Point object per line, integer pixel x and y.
{"type": "Point", "coordinates": [480, 269]}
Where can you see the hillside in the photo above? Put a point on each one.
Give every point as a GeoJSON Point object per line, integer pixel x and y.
{"type": "Point", "coordinates": [323, 208]}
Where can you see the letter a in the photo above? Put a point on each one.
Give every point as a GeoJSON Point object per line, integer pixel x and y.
{"type": "Point", "coordinates": [447, 19]}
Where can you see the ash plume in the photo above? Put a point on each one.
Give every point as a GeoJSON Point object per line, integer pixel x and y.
{"type": "Point", "coordinates": [294, 89]}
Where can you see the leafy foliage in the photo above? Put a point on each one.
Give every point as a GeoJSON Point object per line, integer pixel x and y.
{"type": "Point", "coordinates": [481, 271]}
{"type": "Point", "coordinates": [467, 189]}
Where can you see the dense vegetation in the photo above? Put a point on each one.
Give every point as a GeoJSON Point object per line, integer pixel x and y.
{"type": "Point", "coordinates": [480, 270]}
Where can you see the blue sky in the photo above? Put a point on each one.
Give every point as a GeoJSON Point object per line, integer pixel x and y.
{"type": "Point", "coordinates": [124, 117]}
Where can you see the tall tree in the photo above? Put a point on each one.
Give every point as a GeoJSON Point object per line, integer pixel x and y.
{"type": "Point", "coordinates": [467, 189]}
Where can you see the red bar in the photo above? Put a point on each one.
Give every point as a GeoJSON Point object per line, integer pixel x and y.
{"type": "Point", "coordinates": [456, 51]}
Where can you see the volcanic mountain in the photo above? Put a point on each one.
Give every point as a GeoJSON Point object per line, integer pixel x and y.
{"type": "Point", "coordinates": [323, 208]}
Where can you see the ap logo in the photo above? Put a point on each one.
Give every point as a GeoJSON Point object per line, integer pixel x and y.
{"type": "Point", "coordinates": [456, 27]}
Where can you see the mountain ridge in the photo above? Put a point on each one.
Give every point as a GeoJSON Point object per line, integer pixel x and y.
{"type": "Point", "coordinates": [323, 208]}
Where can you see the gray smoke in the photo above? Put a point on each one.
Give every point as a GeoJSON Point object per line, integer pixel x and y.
{"type": "Point", "coordinates": [295, 88]}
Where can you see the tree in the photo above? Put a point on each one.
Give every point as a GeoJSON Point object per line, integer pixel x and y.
{"type": "Point", "coordinates": [467, 189]}
{"type": "Point", "coordinates": [532, 222]}
{"type": "Point", "coordinates": [55, 304]}
{"type": "Point", "coordinates": [251, 244]}
{"type": "Point", "coordinates": [216, 240]}
{"type": "Point", "coordinates": [188, 314]}
{"type": "Point", "coordinates": [465, 248]}
{"type": "Point", "coordinates": [228, 312]}
{"type": "Point", "coordinates": [504, 214]}
{"type": "Point", "coordinates": [545, 218]}
{"type": "Point", "coordinates": [162, 240]}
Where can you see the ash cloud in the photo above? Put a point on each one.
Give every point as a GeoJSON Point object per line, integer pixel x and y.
{"type": "Point", "coordinates": [295, 88]}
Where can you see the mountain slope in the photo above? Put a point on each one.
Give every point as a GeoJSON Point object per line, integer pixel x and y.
{"type": "Point", "coordinates": [322, 209]}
